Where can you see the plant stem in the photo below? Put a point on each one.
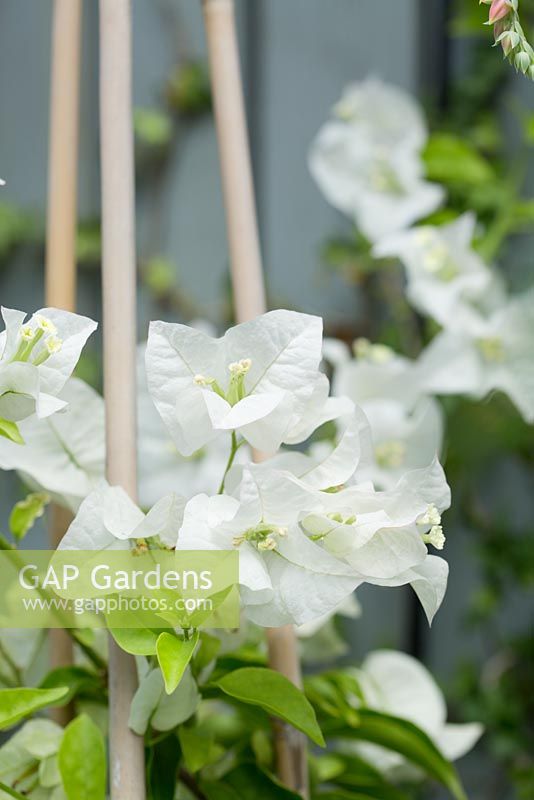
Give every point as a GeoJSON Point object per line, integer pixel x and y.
{"type": "Point", "coordinates": [233, 450]}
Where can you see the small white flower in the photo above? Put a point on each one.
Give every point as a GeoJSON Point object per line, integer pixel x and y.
{"type": "Point", "coordinates": [430, 517]}
{"type": "Point", "coordinates": [478, 354]}
{"type": "Point", "coordinates": [45, 324]}
{"type": "Point", "coordinates": [367, 161]}
{"type": "Point", "coordinates": [35, 363]}
{"type": "Point", "coordinates": [435, 537]}
{"type": "Point", "coordinates": [442, 269]}
{"type": "Point", "coordinates": [406, 426]}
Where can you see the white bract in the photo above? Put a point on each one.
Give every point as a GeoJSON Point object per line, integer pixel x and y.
{"type": "Point", "coordinates": [283, 576]}
{"type": "Point", "coordinates": [63, 454]}
{"type": "Point", "coordinates": [398, 684]}
{"type": "Point", "coordinates": [161, 467]}
{"type": "Point", "coordinates": [109, 520]}
{"type": "Point", "coordinates": [303, 549]}
{"type": "Point", "coordinates": [442, 269]}
{"type": "Point", "coordinates": [260, 379]}
{"type": "Point", "coordinates": [36, 359]}
{"type": "Point", "coordinates": [384, 112]}
{"type": "Point", "coordinates": [478, 354]}
{"type": "Point", "coordinates": [368, 165]}
{"type": "Point", "coordinates": [407, 427]}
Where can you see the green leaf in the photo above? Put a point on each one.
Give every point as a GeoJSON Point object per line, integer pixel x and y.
{"type": "Point", "coordinates": [162, 769]}
{"type": "Point", "coordinates": [25, 512]}
{"type": "Point", "coordinates": [78, 680]}
{"type": "Point", "coordinates": [82, 760]}
{"type": "Point", "coordinates": [406, 738]}
{"type": "Point", "coordinates": [9, 430]}
{"type": "Point", "coordinates": [152, 706]}
{"type": "Point", "coordinates": [275, 694]}
{"type": "Point", "coordinates": [174, 654]}
{"type": "Point", "coordinates": [5, 544]}
{"type": "Point", "coordinates": [18, 703]}
{"type": "Point", "coordinates": [207, 652]}
{"type": "Point", "coordinates": [137, 641]}
{"type": "Point", "coordinates": [247, 782]}
{"type": "Point", "coordinates": [198, 748]}
{"type": "Point", "coordinates": [452, 160]}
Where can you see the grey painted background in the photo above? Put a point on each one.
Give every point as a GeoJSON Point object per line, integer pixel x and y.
{"type": "Point", "coordinates": [297, 55]}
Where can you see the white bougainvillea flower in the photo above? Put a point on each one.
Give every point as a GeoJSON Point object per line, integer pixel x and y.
{"type": "Point", "coordinates": [406, 427]}
{"type": "Point", "coordinates": [479, 354]}
{"type": "Point", "coordinates": [64, 454]}
{"type": "Point", "coordinates": [386, 113]}
{"type": "Point", "coordinates": [109, 520]}
{"type": "Point", "coordinates": [259, 379]}
{"type": "Point", "coordinates": [302, 550]}
{"type": "Point", "coordinates": [442, 269]}
{"type": "Point", "coordinates": [382, 189]}
{"type": "Point", "coordinates": [284, 577]}
{"type": "Point", "coordinates": [383, 534]}
{"type": "Point", "coordinates": [161, 467]}
{"type": "Point", "coordinates": [36, 359]}
{"type": "Point", "coordinates": [398, 684]}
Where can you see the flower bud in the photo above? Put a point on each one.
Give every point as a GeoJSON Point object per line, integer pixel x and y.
{"type": "Point", "coordinates": [522, 62]}
{"type": "Point", "coordinates": [498, 10]}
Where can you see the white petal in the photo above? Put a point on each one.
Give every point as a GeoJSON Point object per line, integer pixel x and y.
{"type": "Point", "coordinates": [455, 741]}
{"type": "Point", "coordinates": [405, 688]}
{"type": "Point", "coordinates": [64, 454]}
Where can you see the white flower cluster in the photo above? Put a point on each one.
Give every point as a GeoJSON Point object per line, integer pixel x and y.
{"type": "Point", "coordinates": [367, 159]}
{"type": "Point", "coordinates": [308, 530]}
{"type": "Point", "coordinates": [487, 336]}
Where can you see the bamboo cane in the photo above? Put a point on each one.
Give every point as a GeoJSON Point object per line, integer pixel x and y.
{"type": "Point", "coordinates": [127, 769]}
{"type": "Point", "coordinates": [249, 299]}
{"type": "Point", "coordinates": [60, 271]}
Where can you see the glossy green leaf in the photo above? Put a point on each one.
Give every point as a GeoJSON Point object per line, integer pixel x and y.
{"type": "Point", "coordinates": [78, 680]}
{"type": "Point", "coordinates": [198, 748]}
{"type": "Point", "coordinates": [174, 654]}
{"type": "Point", "coordinates": [136, 641]}
{"type": "Point", "coordinates": [15, 704]}
{"type": "Point", "coordinates": [275, 694]}
{"type": "Point", "coordinates": [25, 512]}
{"type": "Point", "coordinates": [82, 760]}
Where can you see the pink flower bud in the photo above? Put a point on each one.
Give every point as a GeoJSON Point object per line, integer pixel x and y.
{"type": "Point", "coordinates": [498, 10]}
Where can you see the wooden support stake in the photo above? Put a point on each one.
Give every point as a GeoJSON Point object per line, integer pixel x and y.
{"type": "Point", "coordinates": [60, 271]}
{"type": "Point", "coordinates": [249, 299]}
{"type": "Point", "coordinates": [127, 767]}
